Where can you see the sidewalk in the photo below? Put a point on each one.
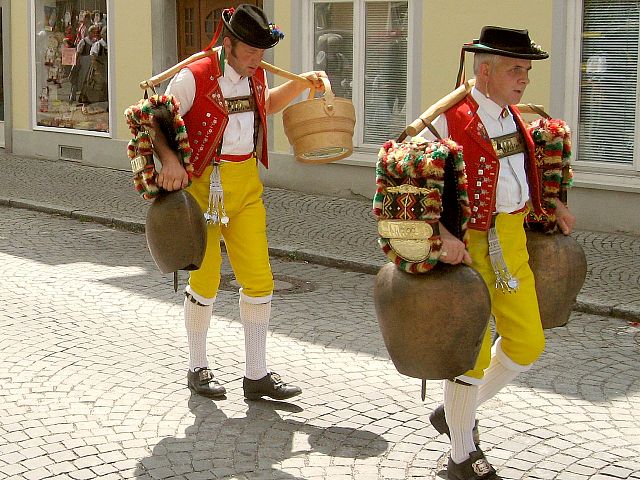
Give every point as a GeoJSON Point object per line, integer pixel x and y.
{"type": "Point", "coordinates": [319, 229]}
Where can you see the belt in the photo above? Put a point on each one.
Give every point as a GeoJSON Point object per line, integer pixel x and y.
{"type": "Point", "coordinates": [235, 158]}
{"type": "Point", "coordinates": [515, 212]}
{"type": "Point", "coordinates": [520, 210]}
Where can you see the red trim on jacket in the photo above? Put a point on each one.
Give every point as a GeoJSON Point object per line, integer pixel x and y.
{"type": "Point", "coordinates": [208, 117]}
{"type": "Point", "coordinates": [481, 162]}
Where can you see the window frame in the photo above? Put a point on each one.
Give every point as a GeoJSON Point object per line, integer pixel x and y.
{"type": "Point", "coordinates": [593, 172]}
{"type": "Point", "coordinates": [34, 87]}
{"type": "Point", "coordinates": [363, 152]}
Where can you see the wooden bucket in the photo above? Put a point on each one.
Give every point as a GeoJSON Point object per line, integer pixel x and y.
{"type": "Point", "coordinates": [320, 129]}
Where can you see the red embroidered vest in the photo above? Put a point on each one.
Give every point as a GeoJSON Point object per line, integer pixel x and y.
{"type": "Point", "coordinates": [482, 164]}
{"type": "Point", "coordinates": [208, 117]}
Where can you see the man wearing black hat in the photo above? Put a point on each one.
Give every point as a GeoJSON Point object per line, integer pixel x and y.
{"type": "Point", "coordinates": [224, 99]}
{"type": "Point", "coordinates": [503, 186]}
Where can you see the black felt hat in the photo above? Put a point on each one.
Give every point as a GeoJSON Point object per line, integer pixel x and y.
{"type": "Point", "coordinates": [249, 24]}
{"type": "Point", "coordinates": [506, 42]}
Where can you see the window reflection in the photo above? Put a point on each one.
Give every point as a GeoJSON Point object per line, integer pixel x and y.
{"type": "Point", "coordinates": [384, 86]}
{"type": "Point", "coordinates": [71, 64]}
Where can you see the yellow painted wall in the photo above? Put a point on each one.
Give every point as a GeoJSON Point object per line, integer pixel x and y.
{"type": "Point", "coordinates": [130, 27]}
{"type": "Point", "coordinates": [20, 77]}
{"type": "Point", "coordinates": [448, 24]}
{"type": "Point", "coordinates": [282, 59]}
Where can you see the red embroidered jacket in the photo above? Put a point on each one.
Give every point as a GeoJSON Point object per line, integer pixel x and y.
{"type": "Point", "coordinates": [208, 117]}
{"type": "Point", "coordinates": [482, 164]}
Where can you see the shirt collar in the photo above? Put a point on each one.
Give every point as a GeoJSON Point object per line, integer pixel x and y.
{"type": "Point", "coordinates": [489, 106]}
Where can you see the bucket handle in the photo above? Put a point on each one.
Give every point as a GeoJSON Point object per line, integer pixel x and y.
{"type": "Point", "coordinates": [329, 97]}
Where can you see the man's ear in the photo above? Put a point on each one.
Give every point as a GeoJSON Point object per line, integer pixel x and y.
{"type": "Point", "coordinates": [483, 72]}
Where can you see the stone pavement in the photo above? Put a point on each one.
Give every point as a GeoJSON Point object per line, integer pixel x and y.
{"type": "Point", "coordinates": [320, 229]}
{"type": "Point", "coordinates": [93, 358]}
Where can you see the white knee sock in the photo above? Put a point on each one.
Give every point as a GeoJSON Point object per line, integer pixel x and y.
{"type": "Point", "coordinates": [197, 319]}
{"type": "Point", "coordinates": [500, 372]}
{"type": "Point", "coordinates": [255, 319]}
{"type": "Point", "coordinates": [460, 412]}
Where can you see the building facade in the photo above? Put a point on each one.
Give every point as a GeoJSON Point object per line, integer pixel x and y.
{"type": "Point", "coordinates": [71, 67]}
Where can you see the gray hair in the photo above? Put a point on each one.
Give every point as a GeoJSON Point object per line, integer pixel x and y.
{"type": "Point", "coordinates": [486, 58]}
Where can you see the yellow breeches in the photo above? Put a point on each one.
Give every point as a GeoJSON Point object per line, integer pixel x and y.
{"type": "Point", "coordinates": [245, 236]}
{"type": "Point", "coordinates": [516, 314]}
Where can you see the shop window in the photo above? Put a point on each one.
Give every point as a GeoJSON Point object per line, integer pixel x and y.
{"type": "Point", "coordinates": [362, 45]}
{"type": "Point", "coordinates": [71, 56]}
{"type": "Point", "coordinates": [608, 121]}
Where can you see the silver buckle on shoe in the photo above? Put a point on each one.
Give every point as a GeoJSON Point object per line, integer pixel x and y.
{"type": "Point", "coordinates": [205, 375]}
{"type": "Point", "coordinates": [481, 467]}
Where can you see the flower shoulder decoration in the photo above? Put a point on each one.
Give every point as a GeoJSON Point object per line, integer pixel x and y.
{"type": "Point", "coordinates": [140, 148]}
{"type": "Point", "coordinates": [552, 139]}
{"type": "Point", "coordinates": [275, 31]}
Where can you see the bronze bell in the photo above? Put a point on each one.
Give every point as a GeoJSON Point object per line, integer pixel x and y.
{"type": "Point", "coordinates": [559, 266]}
{"type": "Point", "coordinates": [433, 323]}
{"type": "Point", "coordinates": [176, 231]}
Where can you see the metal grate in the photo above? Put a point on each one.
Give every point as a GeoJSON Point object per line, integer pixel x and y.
{"type": "Point", "coordinates": [69, 153]}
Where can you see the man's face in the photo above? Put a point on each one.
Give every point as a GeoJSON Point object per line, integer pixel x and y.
{"type": "Point", "coordinates": [243, 58]}
{"type": "Point", "coordinates": [507, 80]}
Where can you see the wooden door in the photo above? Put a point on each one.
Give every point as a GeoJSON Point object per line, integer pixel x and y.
{"type": "Point", "coordinates": [197, 22]}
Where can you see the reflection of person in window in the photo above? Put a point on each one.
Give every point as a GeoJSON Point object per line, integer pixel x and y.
{"type": "Point", "coordinates": [596, 66]}
{"type": "Point", "coordinates": [330, 59]}
{"type": "Point", "coordinates": [95, 89]}
{"type": "Point", "coordinates": [593, 106]}
{"type": "Point", "coordinates": [78, 75]}
{"type": "Point", "coordinates": [395, 67]}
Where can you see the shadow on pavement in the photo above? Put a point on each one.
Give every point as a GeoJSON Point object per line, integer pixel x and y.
{"type": "Point", "coordinates": [219, 447]}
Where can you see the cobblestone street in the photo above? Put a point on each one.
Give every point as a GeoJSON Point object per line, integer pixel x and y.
{"type": "Point", "coordinates": [93, 360]}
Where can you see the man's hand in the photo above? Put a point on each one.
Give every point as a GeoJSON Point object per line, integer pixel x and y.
{"type": "Point", "coordinates": [315, 78]}
{"type": "Point", "coordinates": [453, 250]}
{"type": "Point", "coordinates": [280, 96]}
{"type": "Point", "coordinates": [172, 176]}
{"type": "Point", "coordinates": [564, 218]}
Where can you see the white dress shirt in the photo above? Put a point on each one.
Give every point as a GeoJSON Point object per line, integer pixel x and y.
{"type": "Point", "coordinates": [238, 135]}
{"type": "Point", "coordinates": [512, 189]}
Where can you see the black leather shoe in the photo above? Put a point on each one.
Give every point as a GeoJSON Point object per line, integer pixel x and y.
{"type": "Point", "coordinates": [439, 422]}
{"type": "Point", "coordinates": [202, 383]}
{"type": "Point", "coordinates": [476, 467]}
{"type": "Point", "coordinates": [271, 385]}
